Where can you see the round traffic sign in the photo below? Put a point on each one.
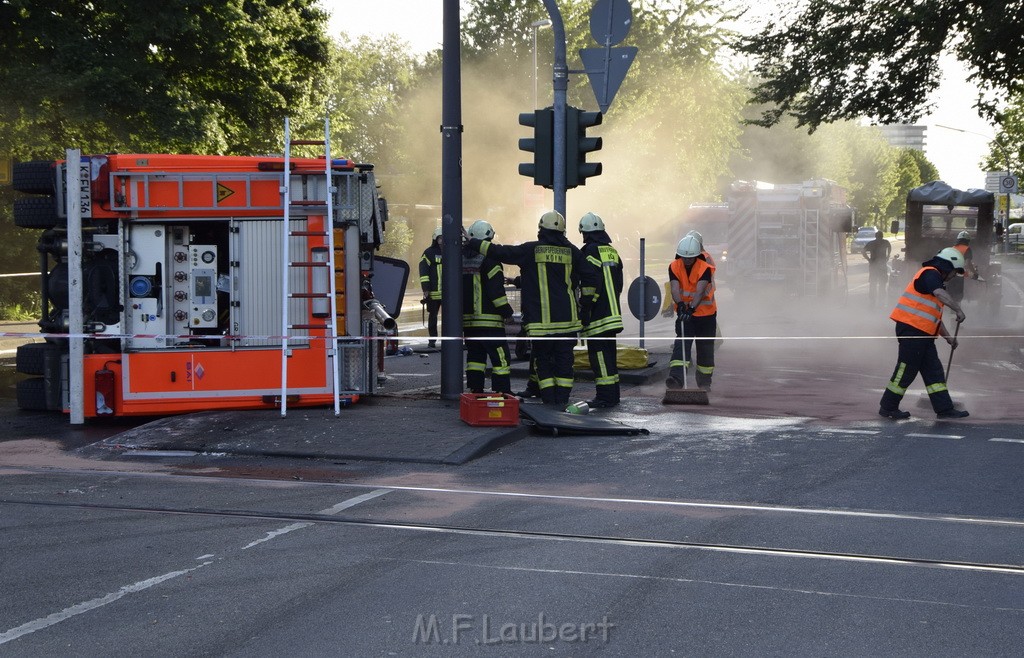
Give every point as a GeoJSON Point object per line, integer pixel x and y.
{"type": "Point", "coordinates": [644, 298]}
{"type": "Point", "coordinates": [610, 21]}
{"type": "Point", "coordinates": [1008, 184]}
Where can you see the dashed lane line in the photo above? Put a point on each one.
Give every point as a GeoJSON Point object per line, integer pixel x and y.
{"type": "Point", "coordinates": [917, 435]}
{"type": "Point", "coordinates": [1002, 440]}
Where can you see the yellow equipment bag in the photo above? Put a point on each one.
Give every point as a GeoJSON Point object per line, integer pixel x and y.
{"type": "Point", "coordinates": [626, 357]}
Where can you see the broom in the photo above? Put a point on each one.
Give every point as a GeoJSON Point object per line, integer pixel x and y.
{"type": "Point", "coordinates": [924, 401]}
{"type": "Point", "coordinates": [684, 395]}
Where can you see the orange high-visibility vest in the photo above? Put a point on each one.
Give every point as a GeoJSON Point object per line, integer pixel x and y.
{"type": "Point", "coordinates": [922, 312]}
{"type": "Point", "coordinates": [688, 286]}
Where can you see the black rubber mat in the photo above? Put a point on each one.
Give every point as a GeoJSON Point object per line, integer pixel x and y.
{"type": "Point", "coordinates": [556, 423]}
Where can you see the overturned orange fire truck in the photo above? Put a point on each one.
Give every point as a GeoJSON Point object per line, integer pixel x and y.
{"type": "Point", "coordinates": [206, 282]}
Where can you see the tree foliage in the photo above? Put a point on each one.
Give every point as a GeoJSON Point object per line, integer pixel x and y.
{"type": "Point", "coordinates": [826, 60]}
{"type": "Point", "coordinates": [179, 75]}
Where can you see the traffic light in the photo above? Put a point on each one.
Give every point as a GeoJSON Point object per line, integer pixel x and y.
{"type": "Point", "coordinates": [577, 145]}
{"type": "Point", "coordinates": [541, 170]}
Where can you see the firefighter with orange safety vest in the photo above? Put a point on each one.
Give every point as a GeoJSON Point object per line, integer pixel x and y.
{"type": "Point", "coordinates": [693, 290]}
{"type": "Point", "coordinates": [956, 286]}
{"type": "Point", "coordinates": [918, 317]}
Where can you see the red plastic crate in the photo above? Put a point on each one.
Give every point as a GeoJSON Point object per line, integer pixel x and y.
{"type": "Point", "coordinates": [483, 409]}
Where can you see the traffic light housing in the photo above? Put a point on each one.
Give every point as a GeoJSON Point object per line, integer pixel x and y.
{"type": "Point", "coordinates": [577, 145]}
{"type": "Point", "coordinates": [541, 170]}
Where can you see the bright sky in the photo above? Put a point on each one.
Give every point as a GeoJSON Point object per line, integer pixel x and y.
{"type": "Point", "coordinates": [956, 154]}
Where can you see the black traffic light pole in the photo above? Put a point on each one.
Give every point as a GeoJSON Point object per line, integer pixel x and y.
{"type": "Point", "coordinates": [560, 83]}
{"type": "Point", "coordinates": [451, 204]}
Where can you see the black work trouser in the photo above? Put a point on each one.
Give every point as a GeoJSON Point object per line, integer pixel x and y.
{"type": "Point", "coordinates": [478, 351]}
{"type": "Point", "coordinates": [433, 308]}
{"type": "Point", "coordinates": [917, 355]}
{"type": "Point", "coordinates": [704, 327]}
{"type": "Point", "coordinates": [878, 278]}
{"type": "Point", "coordinates": [553, 357]}
{"type": "Point", "coordinates": [601, 352]}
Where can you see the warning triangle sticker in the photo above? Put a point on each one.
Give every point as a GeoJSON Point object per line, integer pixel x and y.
{"type": "Point", "coordinates": [223, 192]}
{"type": "Point", "coordinates": [607, 68]}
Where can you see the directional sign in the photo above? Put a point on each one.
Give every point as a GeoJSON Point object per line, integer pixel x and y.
{"type": "Point", "coordinates": [610, 21]}
{"type": "Point", "coordinates": [607, 68]}
{"type": "Point", "coordinates": [1000, 182]}
{"type": "Point", "coordinates": [644, 298]}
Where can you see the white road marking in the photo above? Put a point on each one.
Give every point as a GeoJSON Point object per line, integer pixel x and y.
{"type": "Point", "coordinates": [934, 436]}
{"type": "Point", "coordinates": [605, 574]}
{"type": "Point", "coordinates": [67, 613]}
{"type": "Point", "coordinates": [1007, 440]}
{"type": "Point", "coordinates": [849, 431]}
{"type": "Point", "coordinates": [330, 511]}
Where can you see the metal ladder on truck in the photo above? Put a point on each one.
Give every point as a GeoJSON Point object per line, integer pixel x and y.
{"type": "Point", "coordinates": [810, 252]}
{"type": "Point", "coordinates": [330, 296]}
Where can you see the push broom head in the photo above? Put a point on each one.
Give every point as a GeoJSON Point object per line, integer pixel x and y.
{"type": "Point", "coordinates": [685, 396]}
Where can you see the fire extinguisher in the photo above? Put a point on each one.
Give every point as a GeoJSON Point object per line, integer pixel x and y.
{"type": "Point", "coordinates": [104, 382]}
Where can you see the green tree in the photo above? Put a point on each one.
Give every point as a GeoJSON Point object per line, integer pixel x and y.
{"type": "Point", "coordinates": [826, 60]}
{"type": "Point", "coordinates": [179, 75]}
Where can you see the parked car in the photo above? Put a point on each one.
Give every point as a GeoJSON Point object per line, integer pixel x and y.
{"type": "Point", "coordinates": [865, 234]}
{"type": "Point", "coordinates": [1015, 236]}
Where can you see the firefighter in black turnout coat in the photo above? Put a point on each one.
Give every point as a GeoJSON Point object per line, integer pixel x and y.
{"type": "Point", "coordinates": [549, 268]}
{"type": "Point", "coordinates": [600, 289]}
{"type": "Point", "coordinates": [484, 311]}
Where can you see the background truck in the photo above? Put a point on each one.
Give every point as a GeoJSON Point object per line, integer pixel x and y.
{"type": "Point", "coordinates": [936, 214]}
{"type": "Point", "coordinates": [197, 293]}
{"type": "Point", "coordinates": [792, 236]}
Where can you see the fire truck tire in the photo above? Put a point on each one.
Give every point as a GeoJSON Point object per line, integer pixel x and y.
{"type": "Point", "coordinates": [34, 177]}
{"type": "Point", "coordinates": [36, 212]}
{"type": "Point", "coordinates": [31, 358]}
{"type": "Point", "coordinates": [32, 394]}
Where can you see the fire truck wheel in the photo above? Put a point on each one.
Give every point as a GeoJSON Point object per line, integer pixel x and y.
{"type": "Point", "coordinates": [32, 394]}
{"type": "Point", "coordinates": [36, 212]}
{"type": "Point", "coordinates": [35, 177]}
{"type": "Point", "coordinates": [31, 358]}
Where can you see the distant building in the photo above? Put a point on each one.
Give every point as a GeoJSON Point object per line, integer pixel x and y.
{"type": "Point", "coordinates": [904, 136]}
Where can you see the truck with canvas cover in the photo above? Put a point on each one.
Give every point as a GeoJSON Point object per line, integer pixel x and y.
{"type": "Point", "coordinates": [206, 282]}
{"type": "Point", "coordinates": [789, 236]}
{"type": "Point", "coordinates": [936, 214]}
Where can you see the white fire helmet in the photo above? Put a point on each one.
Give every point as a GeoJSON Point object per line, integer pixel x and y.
{"type": "Point", "coordinates": [480, 230]}
{"type": "Point", "coordinates": [953, 256]}
{"type": "Point", "coordinates": [963, 235]}
{"type": "Point", "coordinates": [689, 247]}
{"type": "Point", "coordinates": [591, 222]}
{"type": "Point", "coordinates": [700, 238]}
{"type": "Point", "coordinates": [553, 220]}
{"type": "Point", "coordinates": [437, 234]}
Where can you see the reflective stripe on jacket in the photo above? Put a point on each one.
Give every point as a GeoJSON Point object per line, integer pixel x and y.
{"type": "Point", "coordinates": [600, 288]}
{"type": "Point", "coordinates": [430, 271]}
{"type": "Point", "coordinates": [688, 286]}
{"type": "Point", "coordinates": [922, 312]}
{"type": "Point", "coordinates": [484, 303]}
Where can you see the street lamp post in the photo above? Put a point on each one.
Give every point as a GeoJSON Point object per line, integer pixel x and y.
{"type": "Point", "coordinates": [536, 25]}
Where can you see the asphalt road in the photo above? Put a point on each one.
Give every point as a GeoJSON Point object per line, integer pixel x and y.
{"type": "Point", "coordinates": [785, 519]}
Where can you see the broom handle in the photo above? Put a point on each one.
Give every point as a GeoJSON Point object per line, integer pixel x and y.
{"type": "Point", "coordinates": [952, 349]}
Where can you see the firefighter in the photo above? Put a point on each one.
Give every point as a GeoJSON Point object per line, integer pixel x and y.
{"type": "Point", "coordinates": [877, 253]}
{"type": "Point", "coordinates": [956, 286]}
{"type": "Point", "coordinates": [918, 317]}
{"type": "Point", "coordinates": [693, 291]}
{"type": "Point", "coordinates": [703, 251]}
{"type": "Point", "coordinates": [549, 267]}
{"type": "Point", "coordinates": [430, 282]}
{"type": "Point", "coordinates": [485, 309]}
{"type": "Point", "coordinates": [600, 289]}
